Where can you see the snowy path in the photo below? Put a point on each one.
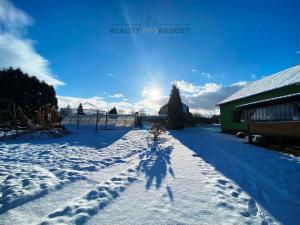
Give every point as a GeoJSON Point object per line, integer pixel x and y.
{"type": "Point", "coordinates": [193, 176]}
{"type": "Point", "coordinates": [193, 193]}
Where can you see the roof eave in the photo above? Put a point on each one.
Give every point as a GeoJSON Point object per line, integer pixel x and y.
{"type": "Point", "coordinates": [222, 103]}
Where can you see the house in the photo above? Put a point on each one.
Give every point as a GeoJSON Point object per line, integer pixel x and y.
{"type": "Point", "coordinates": [163, 111]}
{"type": "Point", "coordinates": [269, 106]}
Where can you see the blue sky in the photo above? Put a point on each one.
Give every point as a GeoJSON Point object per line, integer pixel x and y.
{"type": "Point", "coordinates": [228, 42]}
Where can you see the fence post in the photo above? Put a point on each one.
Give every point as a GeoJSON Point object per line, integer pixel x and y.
{"type": "Point", "coordinates": [135, 120]}
{"type": "Point", "coordinates": [124, 125]}
{"type": "Point", "coordinates": [105, 120]}
{"type": "Point", "coordinates": [97, 122]}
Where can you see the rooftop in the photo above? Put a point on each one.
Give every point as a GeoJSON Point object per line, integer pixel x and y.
{"type": "Point", "coordinates": [276, 100]}
{"type": "Point", "coordinates": [278, 80]}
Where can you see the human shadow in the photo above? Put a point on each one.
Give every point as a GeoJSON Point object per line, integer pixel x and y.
{"type": "Point", "coordinates": [156, 164]}
{"type": "Point", "coordinates": [256, 170]}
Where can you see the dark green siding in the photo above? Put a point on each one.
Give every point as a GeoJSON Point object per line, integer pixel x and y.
{"type": "Point", "coordinates": [226, 110]}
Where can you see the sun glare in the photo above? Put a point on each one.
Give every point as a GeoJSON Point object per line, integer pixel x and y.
{"type": "Point", "coordinates": [154, 93]}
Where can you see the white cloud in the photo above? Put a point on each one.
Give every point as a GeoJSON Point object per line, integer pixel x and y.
{"type": "Point", "coordinates": [88, 103]}
{"type": "Point", "coordinates": [240, 84]}
{"type": "Point", "coordinates": [253, 76]}
{"type": "Point", "coordinates": [204, 98]}
{"type": "Point", "coordinates": [117, 95]}
{"type": "Point", "coordinates": [109, 74]}
{"type": "Point", "coordinates": [191, 89]}
{"type": "Point", "coordinates": [185, 86]}
{"type": "Point", "coordinates": [208, 75]}
{"type": "Point", "coordinates": [150, 106]}
{"type": "Point", "coordinates": [200, 98]}
{"type": "Point", "coordinates": [12, 20]}
{"type": "Point", "coordinates": [16, 50]}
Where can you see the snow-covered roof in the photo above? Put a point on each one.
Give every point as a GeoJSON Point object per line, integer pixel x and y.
{"type": "Point", "coordinates": [278, 80]}
{"type": "Point", "coordinates": [295, 96]}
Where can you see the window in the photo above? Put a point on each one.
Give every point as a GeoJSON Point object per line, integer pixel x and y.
{"type": "Point", "coordinates": [238, 116]}
{"type": "Point", "coordinates": [280, 112]}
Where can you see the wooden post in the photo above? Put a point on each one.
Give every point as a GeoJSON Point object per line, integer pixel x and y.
{"type": "Point", "coordinates": [250, 138]}
{"type": "Point", "coordinates": [248, 127]}
{"type": "Point", "coordinates": [281, 143]}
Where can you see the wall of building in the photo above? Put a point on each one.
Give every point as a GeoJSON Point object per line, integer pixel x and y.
{"type": "Point", "coordinates": [226, 110]}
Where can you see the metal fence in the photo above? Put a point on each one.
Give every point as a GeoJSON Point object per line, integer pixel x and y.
{"type": "Point", "coordinates": [100, 120]}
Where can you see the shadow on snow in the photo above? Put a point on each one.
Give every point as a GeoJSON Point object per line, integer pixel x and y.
{"type": "Point", "coordinates": [85, 136]}
{"type": "Point", "coordinates": [155, 164]}
{"type": "Point", "coordinates": [256, 170]}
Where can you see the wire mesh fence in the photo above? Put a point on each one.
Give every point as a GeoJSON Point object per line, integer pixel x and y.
{"type": "Point", "coordinates": [71, 118]}
{"type": "Point", "coordinates": [98, 119]}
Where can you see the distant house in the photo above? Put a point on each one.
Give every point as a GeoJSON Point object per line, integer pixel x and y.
{"type": "Point", "coordinates": [164, 109]}
{"type": "Point", "coordinates": [269, 106]}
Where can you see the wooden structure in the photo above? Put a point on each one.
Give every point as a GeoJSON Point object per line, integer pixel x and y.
{"type": "Point", "coordinates": [283, 83]}
{"type": "Point", "coordinates": [276, 117]}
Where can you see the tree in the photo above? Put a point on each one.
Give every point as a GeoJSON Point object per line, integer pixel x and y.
{"type": "Point", "coordinates": [175, 112]}
{"type": "Point", "coordinates": [80, 110]}
{"type": "Point", "coordinates": [26, 93]}
{"type": "Point", "coordinates": [113, 111]}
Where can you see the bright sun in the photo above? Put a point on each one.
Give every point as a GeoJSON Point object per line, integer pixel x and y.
{"type": "Point", "coordinates": [154, 93]}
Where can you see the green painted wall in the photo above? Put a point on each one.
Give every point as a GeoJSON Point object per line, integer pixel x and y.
{"type": "Point", "coordinates": [226, 110]}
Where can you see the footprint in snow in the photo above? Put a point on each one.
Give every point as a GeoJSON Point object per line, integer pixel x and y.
{"type": "Point", "coordinates": [116, 179]}
{"type": "Point", "coordinates": [252, 208]}
{"type": "Point", "coordinates": [223, 182]}
{"type": "Point", "coordinates": [235, 194]}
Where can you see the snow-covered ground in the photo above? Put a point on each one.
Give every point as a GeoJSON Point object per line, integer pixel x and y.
{"type": "Point", "coordinates": [192, 176]}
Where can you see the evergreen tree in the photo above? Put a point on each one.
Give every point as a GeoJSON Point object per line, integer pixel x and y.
{"type": "Point", "coordinates": [175, 112]}
{"type": "Point", "coordinates": [28, 94]}
{"type": "Point", "coordinates": [80, 110]}
{"type": "Point", "coordinates": [113, 111]}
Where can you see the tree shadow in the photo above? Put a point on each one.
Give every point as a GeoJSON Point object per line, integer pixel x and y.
{"type": "Point", "coordinates": [156, 164]}
{"type": "Point", "coordinates": [256, 170]}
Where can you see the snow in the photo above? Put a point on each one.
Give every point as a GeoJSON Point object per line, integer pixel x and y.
{"type": "Point", "coordinates": [278, 80]}
{"type": "Point", "coordinates": [191, 176]}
